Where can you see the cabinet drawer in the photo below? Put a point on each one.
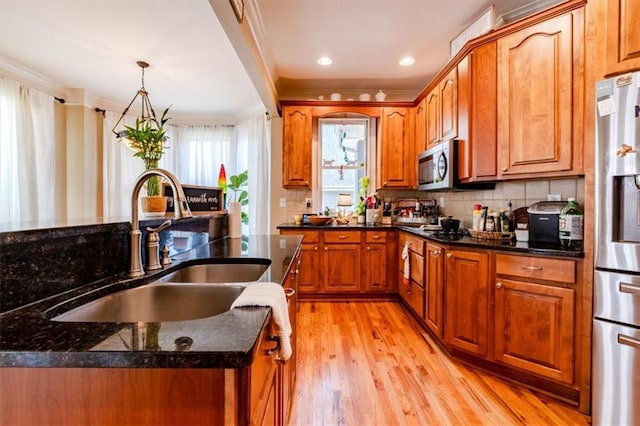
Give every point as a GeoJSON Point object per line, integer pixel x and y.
{"type": "Point", "coordinates": [416, 244]}
{"type": "Point", "coordinates": [560, 270]}
{"type": "Point", "coordinates": [338, 237]}
{"type": "Point", "coordinates": [413, 294]}
{"type": "Point", "coordinates": [308, 236]}
{"type": "Point", "coordinates": [376, 236]}
{"type": "Point", "coordinates": [262, 373]}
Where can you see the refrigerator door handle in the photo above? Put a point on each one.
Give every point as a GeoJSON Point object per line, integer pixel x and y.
{"type": "Point", "coordinates": [629, 341]}
{"type": "Point", "coordinates": [630, 288]}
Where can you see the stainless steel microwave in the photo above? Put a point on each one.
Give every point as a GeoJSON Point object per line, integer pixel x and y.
{"type": "Point", "coordinates": [436, 167]}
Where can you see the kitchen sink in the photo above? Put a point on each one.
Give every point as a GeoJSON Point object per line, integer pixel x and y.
{"type": "Point", "coordinates": [219, 273]}
{"type": "Point", "coordinates": [157, 302]}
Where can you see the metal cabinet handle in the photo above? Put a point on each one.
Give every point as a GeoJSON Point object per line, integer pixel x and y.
{"type": "Point", "coordinates": [629, 341]}
{"type": "Point", "coordinates": [375, 237]}
{"type": "Point", "coordinates": [289, 292]}
{"type": "Point", "coordinates": [342, 237]}
{"type": "Point", "coordinates": [368, 248]}
{"type": "Point", "coordinates": [316, 248]}
{"type": "Point", "coordinates": [436, 253]}
{"type": "Point", "coordinates": [504, 169]}
{"type": "Point", "coordinates": [326, 249]}
{"type": "Point", "coordinates": [532, 267]}
{"type": "Point", "coordinates": [630, 288]}
{"type": "Point", "coordinates": [499, 284]}
{"type": "Point", "coordinates": [276, 348]}
{"type": "Point", "coordinates": [449, 255]}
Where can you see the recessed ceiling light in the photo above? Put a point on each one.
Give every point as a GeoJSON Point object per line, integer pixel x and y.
{"type": "Point", "coordinates": [324, 60]}
{"type": "Point", "coordinates": [406, 61]}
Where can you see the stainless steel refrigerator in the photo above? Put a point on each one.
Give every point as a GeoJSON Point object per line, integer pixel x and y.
{"type": "Point", "coordinates": [616, 322]}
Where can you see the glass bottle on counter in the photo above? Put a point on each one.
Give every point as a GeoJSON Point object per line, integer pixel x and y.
{"type": "Point", "coordinates": [571, 226]}
{"type": "Point", "coordinates": [503, 222]}
{"type": "Point", "coordinates": [477, 217]}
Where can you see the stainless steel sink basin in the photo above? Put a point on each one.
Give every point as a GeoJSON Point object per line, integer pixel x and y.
{"type": "Point", "coordinates": [157, 302]}
{"type": "Point", "coordinates": [218, 273]}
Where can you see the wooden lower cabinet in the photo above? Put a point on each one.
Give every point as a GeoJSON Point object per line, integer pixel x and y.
{"type": "Point", "coordinates": [411, 290]}
{"type": "Point", "coordinates": [287, 370]}
{"type": "Point", "coordinates": [434, 289]}
{"type": "Point", "coordinates": [467, 301]}
{"type": "Point", "coordinates": [343, 262]}
{"type": "Point", "coordinates": [342, 267]}
{"type": "Point", "coordinates": [534, 315]}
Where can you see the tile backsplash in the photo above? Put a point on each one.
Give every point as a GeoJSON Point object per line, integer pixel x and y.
{"type": "Point", "coordinates": [459, 204]}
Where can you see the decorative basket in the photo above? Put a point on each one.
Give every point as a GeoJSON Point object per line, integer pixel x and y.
{"type": "Point", "coordinates": [486, 235]}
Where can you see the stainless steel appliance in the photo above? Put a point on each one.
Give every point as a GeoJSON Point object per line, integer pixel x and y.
{"type": "Point", "coordinates": [436, 167]}
{"type": "Point", "coordinates": [616, 322]}
{"type": "Point", "coordinates": [543, 221]}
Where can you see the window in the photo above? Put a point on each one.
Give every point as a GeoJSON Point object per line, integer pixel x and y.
{"type": "Point", "coordinates": [344, 153]}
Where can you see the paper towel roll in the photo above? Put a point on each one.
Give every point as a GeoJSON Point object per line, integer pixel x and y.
{"type": "Point", "coordinates": [235, 219]}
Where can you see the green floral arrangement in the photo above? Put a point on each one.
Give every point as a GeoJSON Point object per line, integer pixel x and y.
{"type": "Point", "coordinates": [364, 186]}
{"type": "Point", "coordinates": [239, 183]}
{"type": "Point", "coordinates": [147, 138]}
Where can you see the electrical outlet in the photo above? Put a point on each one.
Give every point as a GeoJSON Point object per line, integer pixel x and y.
{"type": "Point", "coordinates": [441, 201]}
{"type": "Point", "coordinates": [307, 202]}
{"type": "Point", "coordinates": [283, 202]}
{"type": "Point", "coordinates": [554, 197]}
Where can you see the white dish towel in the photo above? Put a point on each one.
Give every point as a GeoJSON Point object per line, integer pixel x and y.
{"type": "Point", "coordinates": [270, 294]}
{"type": "Point", "coordinates": [406, 272]}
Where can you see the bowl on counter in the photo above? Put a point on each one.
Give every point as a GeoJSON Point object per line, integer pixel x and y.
{"type": "Point", "coordinates": [319, 220]}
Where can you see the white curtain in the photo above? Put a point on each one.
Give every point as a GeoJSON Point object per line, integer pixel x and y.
{"type": "Point", "coordinates": [28, 160]}
{"type": "Point", "coordinates": [195, 153]}
{"type": "Point", "coordinates": [255, 142]}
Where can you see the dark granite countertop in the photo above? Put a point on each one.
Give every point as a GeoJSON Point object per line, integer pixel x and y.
{"type": "Point", "coordinates": [29, 339]}
{"type": "Point", "coordinates": [457, 240]}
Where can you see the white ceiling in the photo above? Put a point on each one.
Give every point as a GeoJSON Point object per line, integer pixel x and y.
{"type": "Point", "coordinates": [94, 45]}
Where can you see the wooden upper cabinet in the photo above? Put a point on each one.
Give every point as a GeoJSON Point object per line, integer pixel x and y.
{"type": "Point", "coordinates": [449, 105]}
{"type": "Point", "coordinates": [477, 115]}
{"type": "Point", "coordinates": [539, 83]}
{"type": "Point", "coordinates": [432, 106]}
{"type": "Point", "coordinates": [421, 126]}
{"type": "Point", "coordinates": [442, 110]}
{"type": "Point", "coordinates": [296, 146]}
{"type": "Point", "coordinates": [397, 167]}
{"type": "Point", "coordinates": [623, 36]}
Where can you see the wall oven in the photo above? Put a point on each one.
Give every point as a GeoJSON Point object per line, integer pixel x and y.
{"type": "Point", "coordinates": [616, 321]}
{"type": "Point", "coordinates": [436, 167]}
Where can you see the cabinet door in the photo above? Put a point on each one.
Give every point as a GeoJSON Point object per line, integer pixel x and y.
{"type": "Point", "coordinates": [434, 286]}
{"type": "Point", "coordinates": [449, 106]}
{"type": "Point", "coordinates": [534, 326]}
{"type": "Point", "coordinates": [421, 126]}
{"type": "Point", "coordinates": [466, 301]}
{"type": "Point", "coordinates": [296, 147]}
{"type": "Point", "coordinates": [375, 267]}
{"type": "Point", "coordinates": [342, 267]}
{"type": "Point", "coordinates": [287, 375]}
{"type": "Point", "coordinates": [477, 115]}
{"type": "Point", "coordinates": [310, 275]}
{"type": "Point", "coordinates": [535, 106]}
{"type": "Point", "coordinates": [623, 36]}
{"type": "Point", "coordinates": [433, 118]}
{"type": "Point", "coordinates": [397, 167]}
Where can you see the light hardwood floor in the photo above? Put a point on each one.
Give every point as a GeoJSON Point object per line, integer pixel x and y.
{"type": "Point", "coordinates": [369, 363]}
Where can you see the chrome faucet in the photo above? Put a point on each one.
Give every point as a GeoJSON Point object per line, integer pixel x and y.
{"type": "Point", "coordinates": [180, 210]}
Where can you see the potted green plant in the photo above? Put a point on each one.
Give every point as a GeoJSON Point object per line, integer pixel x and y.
{"type": "Point", "coordinates": [238, 184]}
{"type": "Point", "coordinates": [147, 138]}
{"type": "Point", "coordinates": [361, 207]}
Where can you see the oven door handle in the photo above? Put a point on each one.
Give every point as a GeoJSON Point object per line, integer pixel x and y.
{"type": "Point", "coordinates": [629, 288]}
{"type": "Point", "coordinates": [629, 341]}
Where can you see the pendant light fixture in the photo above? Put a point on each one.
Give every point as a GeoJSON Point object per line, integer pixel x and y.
{"type": "Point", "coordinates": [147, 112]}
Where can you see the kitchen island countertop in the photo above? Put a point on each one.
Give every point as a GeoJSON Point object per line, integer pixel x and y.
{"type": "Point", "coordinates": [28, 338]}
